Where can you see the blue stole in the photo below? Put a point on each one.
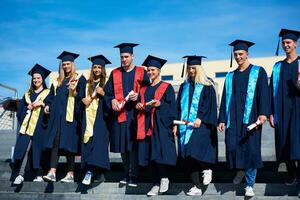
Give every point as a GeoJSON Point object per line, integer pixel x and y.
{"type": "Point", "coordinates": [186, 131]}
{"type": "Point", "coordinates": [276, 77]}
{"type": "Point", "coordinates": [250, 94]}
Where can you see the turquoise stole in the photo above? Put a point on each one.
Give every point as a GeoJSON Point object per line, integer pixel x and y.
{"type": "Point", "coordinates": [250, 94]}
{"type": "Point", "coordinates": [186, 131]}
{"type": "Point", "coordinates": [276, 77]}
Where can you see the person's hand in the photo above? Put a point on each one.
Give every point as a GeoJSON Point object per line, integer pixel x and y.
{"type": "Point", "coordinates": [47, 109]}
{"type": "Point", "coordinates": [174, 131]}
{"type": "Point", "coordinates": [221, 127]}
{"type": "Point", "coordinates": [86, 101]}
{"type": "Point", "coordinates": [133, 96]}
{"type": "Point", "coordinates": [30, 107]}
{"type": "Point", "coordinates": [100, 91]}
{"type": "Point", "coordinates": [139, 106]}
{"type": "Point", "coordinates": [271, 121]}
{"type": "Point", "coordinates": [262, 118]}
{"type": "Point", "coordinates": [37, 104]}
{"type": "Point", "coordinates": [197, 123]}
{"type": "Point", "coordinates": [72, 85]}
{"type": "Point", "coordinates": [115, 105]}
{"type": "Point", "coordinates": [155, 103]}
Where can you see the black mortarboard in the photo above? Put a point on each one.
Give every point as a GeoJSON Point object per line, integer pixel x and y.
{"type": "Point", "coordinates": [38, 69]}
{"type": "Point", "coordinates": [126, 47]}
{"type": "Point", "coordinates": [154, 61]}
{"type": "Point", "coordinates": [191, 60]}
{"type": "Point", "coordinates": [99, 60]}
{"type": "Point", "coordinates": [67, 56]}
{"type": "Point", "coordinates": [287, 34]}
{"type": "Point", "coordinates": [240, 45]}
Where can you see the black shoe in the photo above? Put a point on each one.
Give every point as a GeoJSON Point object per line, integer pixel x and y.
{"type": "Point", "coordinates": [132, 182]}
{"type": "Point", "coordinates": [291, 180]}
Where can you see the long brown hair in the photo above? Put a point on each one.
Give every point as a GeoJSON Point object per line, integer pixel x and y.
{"type": "Point", "coordinates": [92, 78]}
{"type": "Point", "coordinates": [61, 75]}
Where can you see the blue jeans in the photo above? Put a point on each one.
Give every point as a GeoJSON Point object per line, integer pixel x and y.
{"type": "Point", "coordinates": [250, 176]}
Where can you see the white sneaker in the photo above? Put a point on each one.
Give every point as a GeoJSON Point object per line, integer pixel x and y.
{"type": "Point", "coordinates": [50, 177]}
{"type": "Point", "coordinates": [249, 192]}
{"type": "Point", "coordinates": [194, 191]}
{"type": "Point", "coordinates": [87, 178]}
{"type": "Point", "coordinates": [68, 179]}
{"type": "Point", "coordinates": [19, 180]}
{"type": "Point", "coordinates": [164, 185]}
{"type": "Point", "coordinates": [239, 177]}
{"type": "Point", "coordinates": [207, 176]}
{"type": "Point", "coordinates": [38, 179]}
{"type": "Point", "coordinates": [154, 191]}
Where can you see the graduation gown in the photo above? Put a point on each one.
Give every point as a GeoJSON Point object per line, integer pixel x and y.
{"type": "Point", "coordinates": [160, 146]}
{"type": "Point", "coordinates": [69, 132]}
{"type": "Point", "coordinates": [38, 135]}
{"type": "Point", "coordinates": [287, 129]}
{"type": "Point", "coordinates": [243, 148]}
{"type": "Point", "coordinates": [122, 135]}
{"type": "Point", "coordinates": [203, 143]}
{"type": "Point", "coordinates": [95, 151]}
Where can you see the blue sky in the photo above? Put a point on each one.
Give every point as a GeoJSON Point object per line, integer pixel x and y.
{"type": "Point", "coordinates": [38, 31]}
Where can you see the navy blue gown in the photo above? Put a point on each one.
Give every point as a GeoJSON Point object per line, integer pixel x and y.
{"type": "Point", "coordinates": [203, 144]}
{"type": "Point", "coordinates": [243, 148]}
{"type": "Point", "coordinates": [287, 129]}
{"type": "Point", "coordinates": [69, 131]}
{"type": "Point", "coordinates": [95, 151]}
{"type": "Point", "coordinates": [38, 135]}
{"type": "Point", "coordinates": [122, 134]}
{"type": "Point", "coordinates": [160, 146]}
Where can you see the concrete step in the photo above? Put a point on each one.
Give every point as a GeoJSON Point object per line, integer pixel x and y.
{"type": "Point", "coordinates": [176, 189]}
{"type": "Point", "coordinates": [39, 196]}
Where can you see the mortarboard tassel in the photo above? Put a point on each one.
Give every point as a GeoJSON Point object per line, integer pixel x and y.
{"type": "Point", "coordinates": [183, 66]}
{"type": "Point", "coordinates": [231, 59]}
{"type": "Point", "coordinates": [277, 49]}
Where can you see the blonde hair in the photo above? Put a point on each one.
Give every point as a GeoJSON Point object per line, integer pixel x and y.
{"type": "Point", "coordinates": [61, 72]}
{"type": "Point", "coordinates": [201, 76]}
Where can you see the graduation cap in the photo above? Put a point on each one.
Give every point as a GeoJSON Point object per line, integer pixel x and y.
{"type": "Point", "coordinates": [38, 69]}
{"type": "Point", "coordinates": [99, 60]}
{"type": "Point", "coordinates": [191, 60]}
{"type": "Point", "coordinates": [152, 61]}
{"type": "Point", "coordinates": [67, 56]}
{"type": "Point", "coordinates": [240, 45]}
{"type": "Point", "coordinates": [287, 34]}
{"type": "Point", "coordinates": [126, 47]}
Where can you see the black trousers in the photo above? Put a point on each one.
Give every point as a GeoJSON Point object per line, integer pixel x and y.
{"type": "Point", "coordinates": [195, 168]}
{"type": "Point", "coordinates": [293, 169]}
{"type": "Point", "coordinates": [55, 156]}
{"type": "Point", "coordinates": [158, 172]}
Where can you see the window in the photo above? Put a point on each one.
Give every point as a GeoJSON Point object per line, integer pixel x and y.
{"type": "Point", "coordinates": [221, 74]}
{"type": "Point", "coordinates": [167, 78]}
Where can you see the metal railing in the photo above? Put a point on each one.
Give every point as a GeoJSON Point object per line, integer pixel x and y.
{"type": "Point", "coordinates": [8, 119]}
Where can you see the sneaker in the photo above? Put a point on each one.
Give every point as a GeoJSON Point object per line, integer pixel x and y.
{"type": "Point", "coordinates": [207, 176]}
{"type": "Point", "coordinates": [87, 178]}
{"type": "Point", "coordinates": [164, 185]}
{"type": "Point", "coordinates": [154, 191]}
{"type": "Point", "coordinates": [19, 180]}
{"type": "Point", "coordinates": [249, 191]}
{"type": "Point", "coordinates": [132, 182]}
{"type": "Point", "coordinates": [291, 180]}
{"type": "Point", "coordinates": [68, 179]}
{"type": "Point", "coordinates": [194, 191]}
{"type": "Point", "coordinates": [124, 181]}
{"type": "Point", "coordinates": [50, 177]}
{"type": "Point", "coordinates": [38, 179]}
{"type": "Point", "coordinates": [239, 177]}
